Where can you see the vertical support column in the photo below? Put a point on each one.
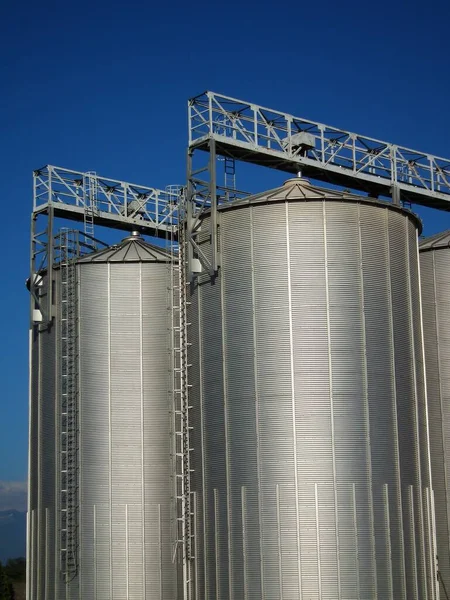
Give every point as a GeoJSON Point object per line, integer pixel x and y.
{"type": "Point", "coordinates": [213, 199]}
{"type": "Point", "coordinates": [187, 211]}
{"type": "Point", "coordinates": [395, 192]}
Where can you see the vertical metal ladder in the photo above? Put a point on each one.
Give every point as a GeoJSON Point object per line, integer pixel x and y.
{"type": "Point", "coordinates": [180, 387]}
{"type": "Point", "coordinates": [230, 177]}
{"type": "Point", "coordinates": [68, 407]}
{"type": "Point", "coordinates": [90, 187]}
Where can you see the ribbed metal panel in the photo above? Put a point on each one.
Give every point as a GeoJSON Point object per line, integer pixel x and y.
{"type": "Point", "coordinates": [41, 535]}
{"type": "Point", "coordinates": [435, 282]}
{"type": "Point", "coordinates": [125, 453]}
{"type": "Point", "coordinates": [310, 399]}
{"type": "Point", "coordinates": [126, 483]}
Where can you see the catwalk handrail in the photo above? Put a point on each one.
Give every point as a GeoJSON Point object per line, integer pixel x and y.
{"type": "Point", "coordinates": [279, 140]}
{"type": "Point", "coordinates": [117, 204]}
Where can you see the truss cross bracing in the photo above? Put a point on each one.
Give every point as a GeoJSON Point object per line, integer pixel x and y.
{"type": "Point", "coordinates": [91, 200]}
{"type": "Point", "coordinates": [278, 140]}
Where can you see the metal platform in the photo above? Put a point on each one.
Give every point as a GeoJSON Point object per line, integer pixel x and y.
{"type": "Point", "coordinates": [266, 137]}
{"type": "Point", "coordinates": [107, 202]}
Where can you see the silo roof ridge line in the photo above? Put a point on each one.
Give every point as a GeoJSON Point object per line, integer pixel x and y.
{"type": "Point", "coordinates": [436, 241]}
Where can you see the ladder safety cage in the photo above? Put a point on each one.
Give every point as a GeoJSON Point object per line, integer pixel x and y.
{"type": "Point", "coordinates": [69, 497]}
{"type": "Point", "coordinates": [90, 189]}
{"type": "Point", "coordinates": [274, 139]}
{"type": "Point", "coordinates": [184, 529]}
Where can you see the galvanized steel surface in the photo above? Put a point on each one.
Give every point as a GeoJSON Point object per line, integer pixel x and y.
{"type": "Point", "coordinates": [125, 451]}
{"type": "Point", "coordinates": [311, 454]}
{"type": "Point", "coordinates": [126, 520]}
{"type": "Point", "coordinates": [435, 279]}
{"type": "Point", "coordinates": [42, 543]}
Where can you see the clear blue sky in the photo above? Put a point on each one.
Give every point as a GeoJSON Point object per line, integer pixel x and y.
{"type": "Point", "coordinates": [103, 86]}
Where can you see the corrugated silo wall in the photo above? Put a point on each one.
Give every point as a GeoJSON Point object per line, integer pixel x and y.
{"type": "Point", "coordinates": [126, 516]}
{"type": "Point", "coordinates": [42, 551]}
{"type": "Point", "coordinates": [311, 463]}
{"type": "Point", "coordinates": [435, 279]}
{"type": "Point", "coordinates": [126, 484]}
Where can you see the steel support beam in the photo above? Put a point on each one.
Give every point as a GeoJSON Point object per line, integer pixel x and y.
{"type": "Point", "coordinates": [266, 137]}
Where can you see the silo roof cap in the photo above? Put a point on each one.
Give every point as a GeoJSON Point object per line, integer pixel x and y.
{"type": "Point", "coordinates": [131, 249]}
{"type": "Point", "coordinates": [299, 188]}
{"type": "Point", "coordinates": [434, 242]}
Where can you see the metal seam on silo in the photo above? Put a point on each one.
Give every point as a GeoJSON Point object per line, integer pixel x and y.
{"type": "Point", "coordinates": [387, 522]}
{"type": "Point", "coordinates": [227, 447]}
{"type": "Point", "coordinates": [319, 570]}
{"type": "Point", "coordinates": [160, 553]}
{"type": "Point", "coordinates": [141, 377]}
{"type": "Point", "coordinates": [195, 529]}
{"type": "Point", "coordinates": [95, 551]}
{"type": "Point", "coordinates": [258, 448]}
{"type": "Point", "coordinates": [394, 396]}
{"type": "Point", "coordinates": [202, 434]}
{"type": "Point", "coordinates": [294, 428]}
{"type": "Point", "coordinates": [33, 556]}
{"type": "Point", "coordinates": [280, 559]}
{"type": "Point", "coordinates": [109, 430]}
{"type": "Point", "coordinates": [127, 564]}
{"type": "Point", "coordinates": [355, 524]}
{"type": "Point", "coordinates": [244, 539]}
{"type": "Point", "coordinates": [430, 538]}
{"type": "Point", "coordinates": [413, 538]}
{"type": "Point", "coordinates": [330, 370]}
{"type": "Point", "coordinates": [47, 562]}
{"type": "Point", "coordinates": [431, 516]}
{"type": "Point", "coordinates": [216, 542]}
{"type": "Point", "coordinates": [416, 405]}
{"type": "Point", "coordinates": [367, 417]}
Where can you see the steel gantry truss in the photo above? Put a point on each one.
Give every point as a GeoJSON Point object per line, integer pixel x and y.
{"type": "Point", "coordinates": [242, 131]}
{"type": "Point", "coordinates": [92, 200]}
{"type": "Point", "coordinates": [281, 141]}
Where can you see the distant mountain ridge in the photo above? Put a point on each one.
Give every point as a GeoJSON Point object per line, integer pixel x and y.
{"type": "Point", "coordinates": [13, 527]}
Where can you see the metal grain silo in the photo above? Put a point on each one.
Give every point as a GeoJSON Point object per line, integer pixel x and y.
{"type": "Point", "coordinates": [310, 449]}
{"type": "Point", "coordinates": [435, 281]}
{"type": "Point", "coordinates": [116, 443]}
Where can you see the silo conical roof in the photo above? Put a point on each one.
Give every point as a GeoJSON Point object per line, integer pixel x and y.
{"type": "Point", "coordinates": [434, 242]}
{"type": "Point", "coordinates": [130, 249]}
{"type": "Point", "coordinates": [300, 189]}
{"type": "Point", "coordinates": [296, 188]}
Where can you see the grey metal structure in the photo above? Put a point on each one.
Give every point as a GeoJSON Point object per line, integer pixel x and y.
{"type": "Point", "coordinates": [243, 131]}
{"type": "Point", "coordinates": [91, 199]}
{"type": "Point", "coordinates": [102, 500]}
{"type": "Point", "coordinates": [435, 280]}
{"type": "Point", "coordinates": [311, 465]}
{"type": "Point", "coordinates": [275, 139]}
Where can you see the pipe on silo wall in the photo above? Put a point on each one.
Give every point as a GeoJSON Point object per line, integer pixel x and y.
{"type": "Point", "coordinates": [435, 281]}
{"type": "Point", "coordinates": [311, 450]}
